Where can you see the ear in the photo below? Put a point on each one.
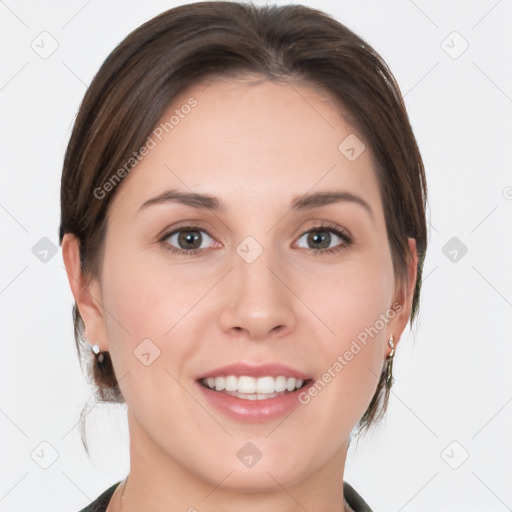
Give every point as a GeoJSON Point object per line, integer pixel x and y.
{"type": "Point", "coordinates": [87, 294]}
{"type": "Point", "coordinates": [405, 294]}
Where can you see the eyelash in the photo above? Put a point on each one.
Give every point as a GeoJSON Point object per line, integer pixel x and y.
{"type": "Point", "coordinates": [347, 240]}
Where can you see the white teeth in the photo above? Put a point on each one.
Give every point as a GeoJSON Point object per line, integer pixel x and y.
{"type": "Point", "coordinates": [265, 385]}
{"type": "Point", "coordinates": [246, 384]}
{"type": "Point", "coordinates": [290, 386]}
{"type": "Point", "coordinates": [220, 383]}
{"type": "Point", "coordinates": [280, 383]}
{"type": "Point", "coordinates": [231, 384]}
{"type": "Point", "coordinates": [251, 388]}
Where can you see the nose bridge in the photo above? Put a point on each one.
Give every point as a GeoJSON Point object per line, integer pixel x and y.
{"type": "Point", "coordinates": [259, 302]}
{"type": "Point", "coordinates": [255, 277]}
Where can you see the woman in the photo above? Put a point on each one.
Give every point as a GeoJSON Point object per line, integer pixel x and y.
{"type": "Point", "coordinates": [243, 227]}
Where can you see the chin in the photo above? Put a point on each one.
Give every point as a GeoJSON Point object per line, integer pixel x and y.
{"type": "Point", "coordinates": [262, 480]}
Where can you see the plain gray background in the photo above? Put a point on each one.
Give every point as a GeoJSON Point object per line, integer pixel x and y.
{"type": "Point", "coordinates": [446, 442]}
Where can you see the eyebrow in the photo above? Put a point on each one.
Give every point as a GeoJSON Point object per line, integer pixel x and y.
{"type": "Point", "coordinates": [325, 198]}
{"type": "Point", "coordinates": [209, 202]}
{"type": "Point", "coordinates": [195, 200]}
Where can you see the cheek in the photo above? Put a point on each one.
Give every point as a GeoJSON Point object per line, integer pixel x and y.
{"type": "Point", "coordinates": [350, 297]}
{"type": "Point", "coordinates": [151, 338]}
{"type": "Point", "coordinates": [355, 303]}
{"type": "Point", "coordinates": [148, 315]}
{"type": "Point", "coordinates": [147, 299]}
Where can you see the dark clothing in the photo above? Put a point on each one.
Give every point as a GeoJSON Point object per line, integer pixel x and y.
{"type": "Point", "coordinates": [351, 496]}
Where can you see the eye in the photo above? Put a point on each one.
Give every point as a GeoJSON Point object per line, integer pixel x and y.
{"type": "Point", "coordinates": [320, 238]}
{"type": "Point", "coordinates": [188, 239]}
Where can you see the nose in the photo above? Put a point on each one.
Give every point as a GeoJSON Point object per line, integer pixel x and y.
{"type": "Point", "coordinates": [257, 302]}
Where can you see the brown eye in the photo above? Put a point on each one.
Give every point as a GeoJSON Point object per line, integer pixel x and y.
{"type": "Point", "coordinates": [319, 239]}
{"type": "Point", "coordinates": [188, 240]}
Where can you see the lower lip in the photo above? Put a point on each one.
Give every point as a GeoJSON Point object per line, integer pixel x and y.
{"type": "Point", "coordinates": [254, 411]}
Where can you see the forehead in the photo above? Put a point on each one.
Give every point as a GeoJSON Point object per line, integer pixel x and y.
{"type": "Point", "coordinates": [247, 140]}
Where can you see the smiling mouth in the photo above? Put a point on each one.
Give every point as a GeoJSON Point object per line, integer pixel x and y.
{"type": "Point", "coordinates": [252, 388]}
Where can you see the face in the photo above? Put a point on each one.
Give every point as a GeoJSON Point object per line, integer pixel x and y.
{"type": "Point", "coordinates": [268, 279]}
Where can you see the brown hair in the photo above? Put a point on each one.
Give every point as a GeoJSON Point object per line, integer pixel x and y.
{"type": "Point", "coordinates": [192, 43]}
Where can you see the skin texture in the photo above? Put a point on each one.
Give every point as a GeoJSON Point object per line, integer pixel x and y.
{"type": "Point", "coordinates": [256, 147]}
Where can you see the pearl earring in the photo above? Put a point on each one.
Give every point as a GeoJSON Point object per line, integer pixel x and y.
{"type": "Point", "coordinates": [392, 345]}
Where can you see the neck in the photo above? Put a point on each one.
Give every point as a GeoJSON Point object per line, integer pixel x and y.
{"type": "Point", "coordinates": [159, 483]}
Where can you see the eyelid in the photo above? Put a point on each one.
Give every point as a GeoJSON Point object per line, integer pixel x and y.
{"type": "Point", "coordinates": [327, 225]}
{"type": "Point", "coordinates": [184, 225]}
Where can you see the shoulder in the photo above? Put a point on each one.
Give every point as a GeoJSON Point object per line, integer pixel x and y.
{"type": "Point", "coordinates": [355, 501]}
{"type": "Point", "coordinates": [101, 502]}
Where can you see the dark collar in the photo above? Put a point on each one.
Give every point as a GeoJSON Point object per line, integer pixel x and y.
{"type": "Point", "coordinates": [350, 494]}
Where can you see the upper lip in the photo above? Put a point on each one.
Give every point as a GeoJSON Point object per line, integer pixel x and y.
{"type": "Point", "coordinates": [255, 370]}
